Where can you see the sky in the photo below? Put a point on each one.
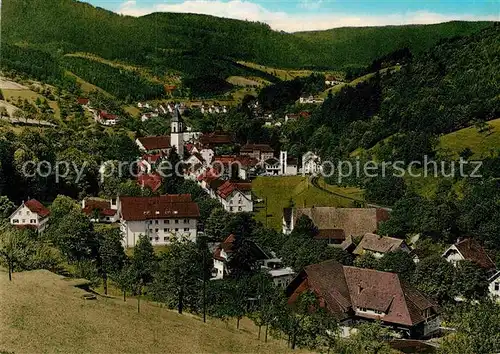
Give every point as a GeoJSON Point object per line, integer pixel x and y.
{"type": "Point", "coordinates": [301, 15]}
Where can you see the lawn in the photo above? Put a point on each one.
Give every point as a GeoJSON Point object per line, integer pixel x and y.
{"type": "Point", "coordinates": [41, 312]}
{"type": "Point", "coordinates": [282, 74]}
{"type": "Point", "coordinates": [279, 190]}
{"type": "Point", "coordinates": [481, 144]}
{"type": "Point", "coordinates": [13, 95]}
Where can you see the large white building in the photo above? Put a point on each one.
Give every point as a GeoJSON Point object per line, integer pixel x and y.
{"type": "Point", "coordinates": [30, 214]}
{"type": "Point", "coordinates": [160, 218]}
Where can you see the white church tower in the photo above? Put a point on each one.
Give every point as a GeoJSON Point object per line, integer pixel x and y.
{"type": "Point", "coordinates": [177, 133]}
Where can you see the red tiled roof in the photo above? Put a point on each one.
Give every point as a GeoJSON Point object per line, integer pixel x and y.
{"type": "Point", "coordinates": [165, 206]}
{"type": "Point", "coordinates": [152, 158]}
{"type": "Point", "coordinates": [304, 114]}
{"type": "Point", "coordinates": [228, 187]}
{"type": "Point", "coordinates": [36, 207]}
{"type": "Point", "coordinates": [152, 181]}
{"type": "Point", "coordinates": [346, 289]}
{"type": "Point", "coordinates": [472, 251]}
{"type": "Point", "coordinates": [83, 101]}
{"type": "Point", "coordinates": [103, 206]}
{"type": "Point", "coordinates": [106, 115]}
{"type": "Point", "coordinates": [245, 161]}
{"type": "Point", "coordinates": [155, 142]}
{"type": "Point", "coordinates": [257, 147]}
{"type": "Point", "coordinates": [209, 175]}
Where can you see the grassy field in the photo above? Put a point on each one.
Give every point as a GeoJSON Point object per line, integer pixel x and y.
{"type": "Point", "coordinates": [41, 312]}
{"type": "Point", "coordinates": [13, 95]}
{"type": "Point", "coordinates": [282, 74]}
{"type": "Point", "coordinates": [279, 191]}
{"type": "Point", "coordinates": [356, 81]}
{"type": "Point", "coordinates": [481, 144]}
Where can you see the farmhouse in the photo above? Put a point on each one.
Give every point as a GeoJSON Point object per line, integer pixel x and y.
{"type": "Point", "coordinates": [332, 80]}
{"type": "Point", "coordinates": [100, 210]}
{"type": "Point", "coordinates": [160, 218]}
{"type": "Point", "coordinates": [30, 214]}
{"type": "Point", "coordinates": [355, 295]}
{"type": "Point", "coordinates": [353, 221]}
{"type": "Point", "coordinates": [380, 245]}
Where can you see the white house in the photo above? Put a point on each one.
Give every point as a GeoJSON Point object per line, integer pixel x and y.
{"type": "Point", "coordinates": [235, 197]}
{"type": "Point", "coordinates": [310, 99]}
{"type": "Point", "coordinates": [101, 210]}
{"type": "Point", "coordinates": [470, 250]}
{"type": "Point", "coordinates": [30, 214]}
{"type": "Point", "coordinates": [311, 163]}
{"type": "Point", "coordinates": [106, 118]}
{"type": "Point", "coordinates": [494, 287]}
{"type": "Point", "coordinates": [281, 276]}
{"type": "Point", "coordinates": [332, 81]}
{"type": "Point", "coordinates": [160, 218]}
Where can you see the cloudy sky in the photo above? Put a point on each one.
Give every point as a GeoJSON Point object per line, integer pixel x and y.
{"type": "Point", "coordinates": [297, 15]}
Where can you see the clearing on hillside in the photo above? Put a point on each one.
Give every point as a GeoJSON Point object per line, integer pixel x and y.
{"type": "Point", "coordinates": [41, 312]}
{"type": "Point", "coordinates": [481, 144]}
{"type": "Point", "coordinates": [280, 190]}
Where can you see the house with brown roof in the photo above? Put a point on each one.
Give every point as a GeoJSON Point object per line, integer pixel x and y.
{"type": "Point", "coordinates": [378, 245]}
{"type": "Point", "coordinates": [261, 152]}
{"type": "Point", "coordinates": [30, 214]}
{"type": "Point", "coordinates": [353, 221]}
{"type": "Point", "coordinates": [353, 295]}
{"type": "Point", "coordinates": [154, 144]}
{"type": "Point", "coordinates": [470, 250]}
{"type": "Point", "coordinates": [235, 196]}
{"type": "Point", "coordinates": [160, 218]}
{"type": "Point", "coordinates": [100, 210]}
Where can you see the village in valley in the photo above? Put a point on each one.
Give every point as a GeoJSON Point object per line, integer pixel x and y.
{"type": "Point", "coordinates": [202, 202]}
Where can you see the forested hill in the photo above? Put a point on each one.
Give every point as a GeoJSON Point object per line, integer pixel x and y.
{"type": "Point", "coordinates": [63, 26]}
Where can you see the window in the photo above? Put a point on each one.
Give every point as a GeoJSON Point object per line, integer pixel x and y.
{"type": "Point", "coordinates": [28, 212]}
{"type": "Point", "coordinates": [156, 230]}
{"type": "Point", "coordinates": [497, 286]}
{"type": "Point", "coordinates": [150, 221]}
{"type": "Point", "coordinates": [240, 208]}
{"type": "Point", "coordinates": [15, 221]}
{"type": "Point", "coordinates": [156, 222]}
{"type": "Point", "coordinates": [150, 239]}
{"type": "Point", "coordinates": [165, 239]}
{"type": "Point", "coordinates": [378, 312]}
{"type": "Point", "coordinates": [33, 221]}
{"type": "Point", "coordinates": [186, 229]}
{"type": "Point", "coordinates": [107, 218]}
{"type": "Point", "coordinates": [231, 209]}
{"type": "Point", "coordinates": [24, 221]}
{"type": "Point", "coordinates": [176, 230]}
{"type": "Point", "coordinates": [157, 238]}
{"type": "Point", "coordinates": [186, 221]}
{"type": "Point", "coordinates": [166, 230]}
{"type": "Point", "coordinates": [176, 221]}
{"type": "Point", "coordinates": [166, 221]}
